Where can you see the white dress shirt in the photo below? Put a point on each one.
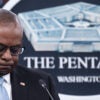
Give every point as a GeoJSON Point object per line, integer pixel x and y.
{"type": "Point", "coordinates": [7, 85]}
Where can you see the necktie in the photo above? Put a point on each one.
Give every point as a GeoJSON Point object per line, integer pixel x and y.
{"type": "Point", "coordinates": [3, 92]}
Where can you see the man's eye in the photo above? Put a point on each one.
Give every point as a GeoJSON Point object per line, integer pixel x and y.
{"type": "Point", "coordinates": [15, 49]}
{"type": "Point", "coordinates": [2, 47]}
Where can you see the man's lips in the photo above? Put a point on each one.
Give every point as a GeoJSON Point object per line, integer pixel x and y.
{"type": "Point", "coordinates": [6, 66]}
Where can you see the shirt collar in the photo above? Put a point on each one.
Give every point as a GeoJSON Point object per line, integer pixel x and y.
{"type": "Point", "coordinates": [7, 78]}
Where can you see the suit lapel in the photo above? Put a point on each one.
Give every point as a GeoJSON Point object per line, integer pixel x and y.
{"type": "Point", "coordinates": [19, 87]}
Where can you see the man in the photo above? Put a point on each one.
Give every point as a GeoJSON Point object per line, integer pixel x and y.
{"type": "Point", "coordinates": [21, 83]}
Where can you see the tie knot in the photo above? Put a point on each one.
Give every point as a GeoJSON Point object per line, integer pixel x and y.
{"type": "Point", "coordinates": [1, 80]}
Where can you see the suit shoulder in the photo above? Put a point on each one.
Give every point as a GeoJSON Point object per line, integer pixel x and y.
{"type": "Point", "coordinates": [32, 72]}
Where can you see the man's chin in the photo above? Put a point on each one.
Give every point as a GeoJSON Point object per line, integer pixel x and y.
{"type": "Point", "coordinates": [5, 71]}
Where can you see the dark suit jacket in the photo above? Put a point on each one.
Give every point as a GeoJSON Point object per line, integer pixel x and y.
{"type": "Point", "coordinates": [25, 85]}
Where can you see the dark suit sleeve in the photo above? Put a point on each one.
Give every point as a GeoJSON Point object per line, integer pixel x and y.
{"type": "Point", "coordinates": [52, 88]}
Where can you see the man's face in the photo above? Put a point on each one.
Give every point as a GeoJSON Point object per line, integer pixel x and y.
{"type": "Point", "coordinates": [10, 36]}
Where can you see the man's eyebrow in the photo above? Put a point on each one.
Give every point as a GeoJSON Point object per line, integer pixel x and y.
{"type": "Point", "coordinates": [18, 45]}
{"type": "Point", "coordinates": [2, 44]}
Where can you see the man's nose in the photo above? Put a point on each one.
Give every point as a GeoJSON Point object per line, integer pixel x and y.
{"type": "Point", "coordinates": [7, 55]}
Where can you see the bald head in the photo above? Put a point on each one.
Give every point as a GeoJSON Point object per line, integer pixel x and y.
{"type": "Point", "coordinates": [8, 17]}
